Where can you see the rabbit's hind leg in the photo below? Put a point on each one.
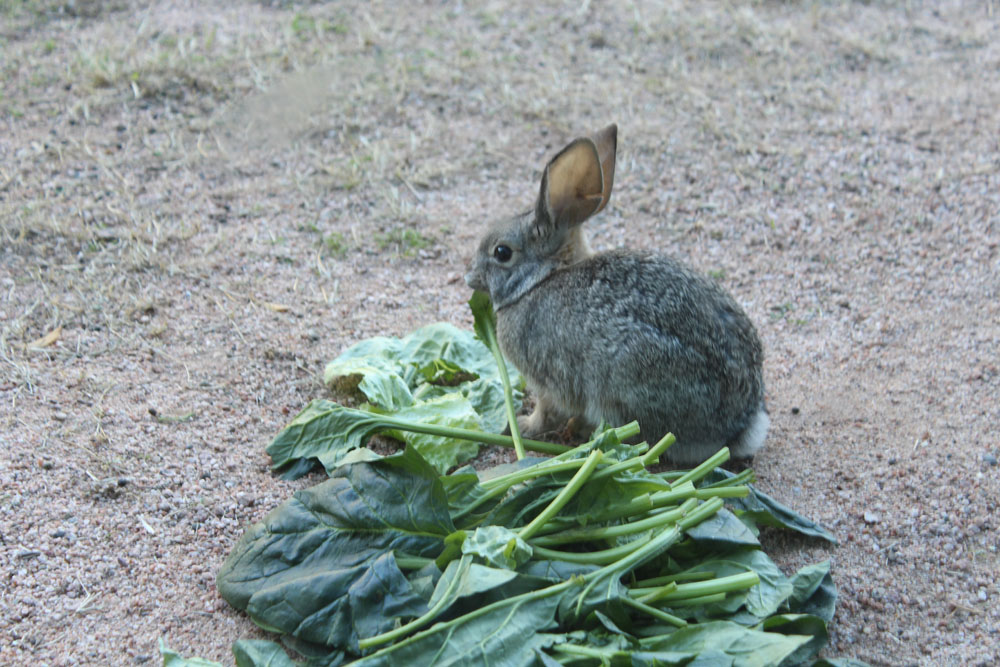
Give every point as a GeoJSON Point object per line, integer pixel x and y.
{"type": "Point", "coordinates": [546, 417]}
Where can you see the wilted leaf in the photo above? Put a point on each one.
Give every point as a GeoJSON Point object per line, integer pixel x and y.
{"type": "Point", "coordinates": [767, 511]}
{"type": "Point", "coordinates": [320, 566]}
{"type": "Point", "coordinates": [261, 653]}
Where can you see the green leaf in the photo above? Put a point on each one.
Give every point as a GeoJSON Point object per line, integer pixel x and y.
{"type": "Point", "coordinates": [761, 600]}
{"type": "Point", "coordinates": [261, 653]}
{"type": "Point", "coordinates": [394, 373]}
{"type": "Point", "coordinates": [803, 625]}
{"type": "Point", "coordinates": [320, 566]}
{"type": "Point", "coordinates": [473, 579]}
{"type": "Point", "coordinates": [323, 431]}
{"type": "Point", "coordinates": [451, 410]}
{"type": "Point", "coordinates": [723, 530]}
{"type": "Point", "coordinates": [767, 511]}
{"type": "Point", "coordinates": [504, 634]}
{"type": "Point", "coordinates": [484, 319]}
{"type": "Point", "coordinates": [371, 369]}
{"type": "Point", "coordinates": [328, 432]}
{"type": "Point", "coordinates": [172, 658]}
{"type": "Point", "coordinates": [486, 397]}
{"type": "Point", "coordinates": [707, 658]}
{"type": "Point", "coordinates": [814, 591]}
{"type": "Point", "coordinates": [497, 546]}
{"type": "Point", "coordinates": [743, 646]}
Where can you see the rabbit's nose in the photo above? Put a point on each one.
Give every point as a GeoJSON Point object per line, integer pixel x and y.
{"type": "Point", "coordinates": [474, 280]}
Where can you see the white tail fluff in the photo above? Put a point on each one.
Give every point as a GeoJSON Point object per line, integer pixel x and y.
{"type": "Point", "coordinates": [752, 438]}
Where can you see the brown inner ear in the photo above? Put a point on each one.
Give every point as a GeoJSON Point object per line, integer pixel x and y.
{"type": "Point", "coordinates": [607, 147]}
{"type": "Point", "coordinates": [573, 183]}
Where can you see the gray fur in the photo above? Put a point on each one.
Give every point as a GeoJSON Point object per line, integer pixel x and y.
{"type": "Point", "coordinates": [623, 335]}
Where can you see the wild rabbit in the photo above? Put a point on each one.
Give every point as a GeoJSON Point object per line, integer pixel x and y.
{"type": "Point", "coordinates": [618, 335]}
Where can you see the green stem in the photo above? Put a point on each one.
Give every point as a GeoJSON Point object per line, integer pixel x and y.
{"type": "Point", "coordinates": [468, 434]}
{"type": "Point", "coordinates": [722, 492]}
{"type": "Point", "coordinates": [639, 505]}
{"type": "Point", "coordinates": [411, 562]}
{"type": "Point", "coordinates": [579, 535]}
{"type": "Point", "coordinates": [649, 457]}
{"type": "Point", "coordinates": [621, 432]}
{"type": "Point", "coordinates": [603, 557]}
{"type": "Point", "coordinates": [452, 549]}
{"type": "Point", "coordinates": [508, 393]}
{"type": "Point", "coordinates": [697, 602]}
{"type": "Point", "coordinates": [655, 613]}
{"type": "Point", "coordinates": [600, 654]}
{"type": "Point", "coordinates": [546, 467]}
{"type": "Point", "coordinates": [499, 485]}
{"type": "Point", "coordinates": [653, 455]}
{"type": "Point", "coordinates": [564, 496]}
{"type": "Point", "coordinates": [420, 621]}
{"type": "Point", "coordinates": [697, 589]}
{"type": "Point", "coordinates": [673, 578]}
{"type": "Point", "coordinates": [707, 466]}
{"type": "Point", "coordinates": [742, 477]}
{"type": "Point", "coordinates": [628, 465]}
{"type": "Point", "coordinates": [650, 594]}
{"type": "Point", "coordinates": [696, 516]}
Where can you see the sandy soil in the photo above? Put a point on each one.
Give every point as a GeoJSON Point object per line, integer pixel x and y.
{"type": "Point", "coordinates": [200, 207]}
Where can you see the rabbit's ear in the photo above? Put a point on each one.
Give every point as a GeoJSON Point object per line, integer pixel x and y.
{"type": "Point", "coordinates": [571, 185]}
{"type": "Point", "coordinates": [607, 147]}
{"type": "Point", "coordinates": [577, 182]}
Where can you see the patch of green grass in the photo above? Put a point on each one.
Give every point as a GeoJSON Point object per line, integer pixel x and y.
{"type": "Point", "coordinates": [303, 25]}
{"type": "Point", "coordinates": [781, 310]}
{"type": "Point", "coordinates": [406, 241]}
{"type": "Point", "coordinates": [717, 274]}
{"type": "Point", "coordinates": [335, 244]}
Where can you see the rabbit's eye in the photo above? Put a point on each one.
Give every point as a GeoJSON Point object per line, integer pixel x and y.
{"type": "Point", "coordinates": [503, 253]}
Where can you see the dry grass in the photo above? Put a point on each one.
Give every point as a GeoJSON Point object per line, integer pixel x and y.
{"type": "Point", "coordinates": [207, 203]}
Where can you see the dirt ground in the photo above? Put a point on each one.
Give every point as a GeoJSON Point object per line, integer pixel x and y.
{"type": "Point", "coordinates": [199, 207]}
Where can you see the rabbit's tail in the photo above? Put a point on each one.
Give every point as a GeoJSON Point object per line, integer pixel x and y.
{"type": "Point", "coordinates": [752, 438]}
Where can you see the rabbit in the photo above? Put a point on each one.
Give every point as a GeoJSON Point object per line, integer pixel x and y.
{"type": "Point", "coordinates": [621, 335]}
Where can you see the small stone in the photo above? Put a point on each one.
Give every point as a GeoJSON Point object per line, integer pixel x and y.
{"type": "Point", "coordinates": [871, 517]}
{"type": "Point", "coordinates": [989, 459]}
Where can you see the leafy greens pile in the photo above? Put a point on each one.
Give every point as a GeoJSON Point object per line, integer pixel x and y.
{"type": "Point", "coordinates": [583, 558]}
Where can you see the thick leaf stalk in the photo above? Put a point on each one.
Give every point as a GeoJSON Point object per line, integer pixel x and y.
{"type": "Point", "coordinates": [485, 325]}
